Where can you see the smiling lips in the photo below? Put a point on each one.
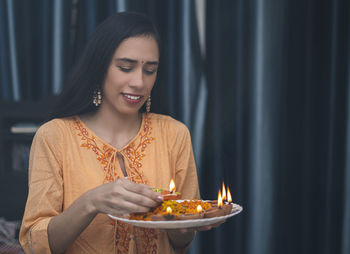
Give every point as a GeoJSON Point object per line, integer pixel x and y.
{"type": "Point", "coordinates": [133, 99]}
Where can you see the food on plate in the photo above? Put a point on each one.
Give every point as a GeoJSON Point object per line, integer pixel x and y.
{"type": "Point", "coordinates": [183, 210]}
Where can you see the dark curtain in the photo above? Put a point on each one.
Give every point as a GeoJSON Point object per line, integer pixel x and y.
{"type": "Point", "coordinates": [277, 125]}
{"type": "Point", "coordinates": [274, 105]}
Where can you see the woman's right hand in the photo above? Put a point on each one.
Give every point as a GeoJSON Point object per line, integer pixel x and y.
{"type": "Point", "coordinates": [119, 197]}
{"type": "Point", "coordinates": [122, 197]}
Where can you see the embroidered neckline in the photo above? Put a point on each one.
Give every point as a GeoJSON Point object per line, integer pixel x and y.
{"type": "Point", "coordinates": [93, 134]}
{"type": "Point", "coordinates": [133, 152]}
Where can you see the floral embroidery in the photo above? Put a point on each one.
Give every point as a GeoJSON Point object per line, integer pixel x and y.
{"type": "Point", "coordinates": [135, 153]}
{"type": "Point", "coordinates": [148, 244]}
{"type": "Point", "coordinates": [103, 154]}
{"type": "Point", "coordinates": [122, 238]}
{"type": "Point", "coordinates": [145, 239]}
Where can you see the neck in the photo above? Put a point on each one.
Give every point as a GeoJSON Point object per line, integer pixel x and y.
{"type": "Point", "coordinates": [116, 123]}
{"type": "Point", "coordinates": [116, 129]}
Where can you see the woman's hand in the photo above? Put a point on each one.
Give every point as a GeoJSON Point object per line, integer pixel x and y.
{"type": "Point", "coordinates": [179, 238]}
{"type": "Point", "coordinates": [122, 197]}
{"type": "Point", "coordinates": [119, 197]}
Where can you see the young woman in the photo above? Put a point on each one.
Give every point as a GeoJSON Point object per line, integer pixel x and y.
{"type": "Point", "coordinates": [100, 155]}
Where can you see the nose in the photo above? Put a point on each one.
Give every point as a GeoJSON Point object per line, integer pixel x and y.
{"type": "Point", "coordinates": [137, 78]}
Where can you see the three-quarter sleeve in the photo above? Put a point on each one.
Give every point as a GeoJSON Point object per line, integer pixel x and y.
{"type": "Point", "coordinates": [186, 179]}
{"type": "Point", "coordinates": [185, 170]}
{"type": "Point", "coordinates": [45, 196]}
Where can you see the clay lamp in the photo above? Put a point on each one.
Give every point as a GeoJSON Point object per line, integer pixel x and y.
{"type": "Point", "coordinates": [193, 216]}
{"type": "Point", "coordinates": [171, 194]}
{"type": "Point", "coordinates": [157, 217]}
{"type": "Point", "coordinates": [169, 215]}
{"type": "Point", "coordinates": [214, 203]}
{"type": "Point", "coordinates": [163, 217]}
{"type": "Point", "coordinates": [216, 211]}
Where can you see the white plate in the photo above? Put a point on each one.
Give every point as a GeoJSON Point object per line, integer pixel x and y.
{"type": "Point", "coordinates": [176, 224]}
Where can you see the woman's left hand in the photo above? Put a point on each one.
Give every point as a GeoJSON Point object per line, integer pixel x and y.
{"type": "Point", "coordinates": [193, 229]}
{"type": "Point", "coordinates": [180, 238]}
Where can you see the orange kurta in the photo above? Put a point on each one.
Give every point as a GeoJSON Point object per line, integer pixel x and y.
{"type": "Point", "coordinates": [67, 159]}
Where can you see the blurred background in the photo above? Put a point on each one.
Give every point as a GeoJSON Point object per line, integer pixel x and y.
{"type": "Point", "coordinates": [263, 86]}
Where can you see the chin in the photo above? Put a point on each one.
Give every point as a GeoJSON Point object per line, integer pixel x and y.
{"type": "Point", "coordinates": [129, 112]}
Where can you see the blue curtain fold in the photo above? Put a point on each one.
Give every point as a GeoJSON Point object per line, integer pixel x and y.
{"type": "Point", "coordinates": [5, 81]}
{"type": "Point", "coordinates": [45, 42]}
{"type": "Point", "coordinates": [12, 45]}
{"type": "Point", "coordinates": [345, 245]}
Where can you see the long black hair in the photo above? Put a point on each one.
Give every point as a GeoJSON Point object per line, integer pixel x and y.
{"type": "Point", "coordinates": [91, 69]}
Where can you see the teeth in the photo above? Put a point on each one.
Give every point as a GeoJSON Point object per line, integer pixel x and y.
{"type": "Point", "coordinates": [132, 97]}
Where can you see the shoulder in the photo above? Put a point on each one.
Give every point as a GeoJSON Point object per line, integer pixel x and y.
{"type": "Point", "coordinates": [168, 124]}
{"type": "Point", "coordinates": [55, 128]}
{"type": "Point", "coordinates": [174, 132]}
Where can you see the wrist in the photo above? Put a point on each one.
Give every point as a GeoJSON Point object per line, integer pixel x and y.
{"type": "Point", "coordinates": [88, 204]}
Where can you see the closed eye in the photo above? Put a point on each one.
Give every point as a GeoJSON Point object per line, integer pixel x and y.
{"type": "Point", "coordinates": [150, 72]}
{"type": "Point", "coordinates": [130, 69]}
{"type": "Point", "coordinates": [125, 69]}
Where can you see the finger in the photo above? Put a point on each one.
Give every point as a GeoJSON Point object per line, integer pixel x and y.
{"type": "Point", "coordinates": [141, 200]}
{"type": "Point", "coordinates": [184, 230]}
{"type": "Point", "coordinates": [119, 192]}
{"type": "Point", "coordinates": [142, 189]}
{"type": "Point", "coordinates": [124, 194]}
{"type": "Point", "coordinates": [181, 230]}
{"type": "Point", "coordinates": [204, 228]}
{"type": "Point", "coordinates": [127, 207]}
{"type": "Point", "coordinates": [218, 224]}
{"type": "Point", "coordinates": [209, 227]}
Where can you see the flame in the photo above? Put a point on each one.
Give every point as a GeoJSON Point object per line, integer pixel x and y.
{"type": "Point", "coordinates": [223, 191]}
{"type": "Point", "coordinates": [229, 199]}
{"type": "Point", "coordinates": [172, 185]}
{"type": "Point", "coordinates": [168, 210]}
{"type": "Point", "coordinates": [199, 209]}
{"type": "Point", "coordinates": [219, 199]}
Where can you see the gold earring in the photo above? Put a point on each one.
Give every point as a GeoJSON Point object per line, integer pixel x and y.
{"type": "Point", "coordinates": [97, 98]}
{"type": "Point", "coordinates": [148, 104]}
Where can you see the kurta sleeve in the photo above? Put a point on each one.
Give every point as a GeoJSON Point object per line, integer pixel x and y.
{"type": "Point", "coordinates": [186, 174]}
{"type": "Point", "coordinates": [45, 196]}
{"type": "Point", "coordinates": [186, 179]}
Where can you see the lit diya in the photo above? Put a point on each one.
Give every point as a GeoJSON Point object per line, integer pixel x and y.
{"type": "Point", "coordinates": [219, 207]}
{"type": "Point", "coordinates": [215, 211]}
{"type": "Point", "coordinates": [170, 194]}
{"type": "Point", "coordinates": [192, 216]}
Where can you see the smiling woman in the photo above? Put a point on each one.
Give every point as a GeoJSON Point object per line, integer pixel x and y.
{"type": "Point", "coordinates": [101, 155]}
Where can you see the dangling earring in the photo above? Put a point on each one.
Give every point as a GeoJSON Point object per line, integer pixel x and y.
{"type": "Point", "coordinates": [148, 104]}
{"type": "Point", "coordinates": [97, 98]}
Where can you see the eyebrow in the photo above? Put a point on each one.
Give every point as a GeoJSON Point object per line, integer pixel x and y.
{"type": "Point", "coordinates": [133, 61]}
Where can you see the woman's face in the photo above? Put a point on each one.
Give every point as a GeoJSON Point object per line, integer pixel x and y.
{"type": "Point", "coordinates": [131, 75]}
